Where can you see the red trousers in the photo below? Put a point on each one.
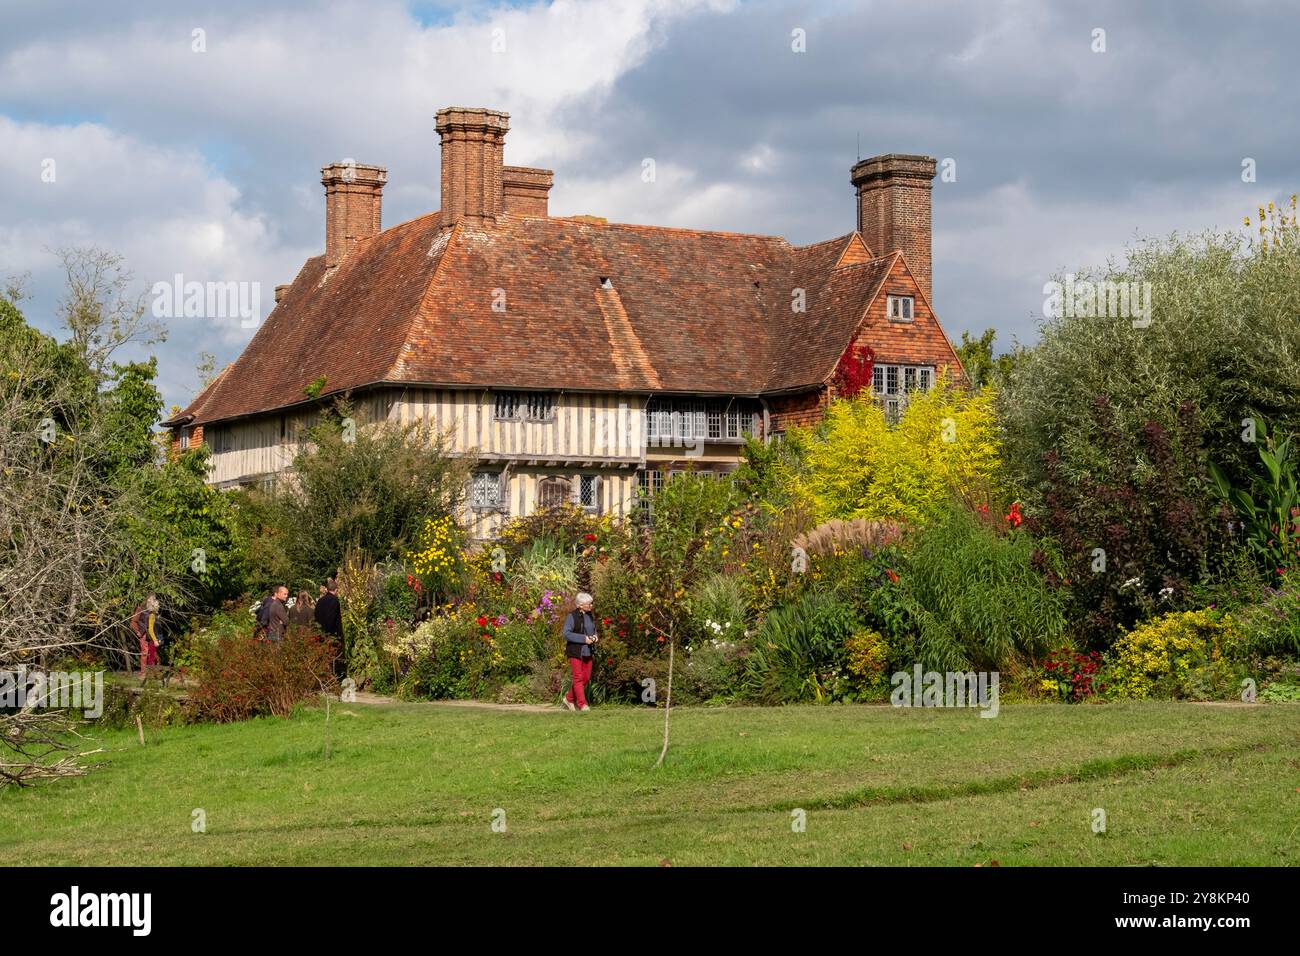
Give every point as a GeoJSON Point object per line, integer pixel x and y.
{"type": "Point", "coordinates": [581, 667]}
{"type": "Point", "coordinates": [148, 653]}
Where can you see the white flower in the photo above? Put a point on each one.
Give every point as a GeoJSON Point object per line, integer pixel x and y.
{"type": "Point", "coordinates": [1166, 593]}
{"type": "Point", "coordinates": [1130, 583]}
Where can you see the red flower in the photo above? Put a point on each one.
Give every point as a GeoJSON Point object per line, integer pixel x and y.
{"type": "Point", "coordinates": [660, 638]}
{"type": "Point", "coordinates": [589, 537]}
{"type": "Point", "coordinates": [1014, 517]}
{"type": "Point", "coordinates": [892, 576]}
{"type": "Point", "coordinates": [482, 622]}
{"type": "Point", "coordinates": [410, 579]}
{"type": "Point", "coordinates": [609, 661]}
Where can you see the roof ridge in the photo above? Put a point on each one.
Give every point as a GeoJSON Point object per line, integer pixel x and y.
{"type": "Point", "coordinates": [826, 242]}
{"type": "Point", "coordinates": [681, 229]}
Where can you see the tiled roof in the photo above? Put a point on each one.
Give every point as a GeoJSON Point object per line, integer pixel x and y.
{"type": "Point", "coordinates": [519, 303]}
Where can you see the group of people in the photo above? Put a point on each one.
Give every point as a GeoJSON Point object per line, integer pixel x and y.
{"type": "Point", "coordinates": [275, 615]}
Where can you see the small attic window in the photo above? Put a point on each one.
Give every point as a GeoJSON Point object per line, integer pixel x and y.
{"type": "Point", "coordinates": [901, 308]}
{"type": "Point", "coordinates": [606, 282]}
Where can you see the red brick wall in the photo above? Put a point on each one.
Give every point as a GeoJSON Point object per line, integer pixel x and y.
{"type": "Point", "coordinates": [526, 190]}
{"type": "Point", "coordinates": [196, 439]}
{"type": "Point", "coordinates": [919, 342]}
{"type": "Point", "coordinates": [802, 410]}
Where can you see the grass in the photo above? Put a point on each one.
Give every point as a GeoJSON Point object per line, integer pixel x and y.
{"type": "Point", "coordinates": [1181, 784]}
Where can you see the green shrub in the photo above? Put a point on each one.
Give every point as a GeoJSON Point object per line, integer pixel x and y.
{"type": "Point", "coordinates": [977, 599]}
{"type": "Point", "coordinates": [372, 488]}
{"type": "Point", "coordinates": [523, 643]}
{"type": "Point", "coordinates": [799, 652]}
{"type": "Point", "coordinates": [1222, 336]}
{"type": "Point", "coordinates": [1272, 626]}
{"type": "Point", "coordinates": [396, 599]}
{"type": "Point", "coordinates": [860, 464]}
{"type": "Point", "coordinates": [1269, 506]}
{"type": "Point", "coordinates": [1183, 654]}
{"type": "Point", "coordinates": [544, 565]}
{"type": "Point", "coordinates": [719, 609]}
{"type": "Point", "coordinates": [868, 664]}
{"type": "Point", "coordinates": [1277, 692]}
{"type": "Point", "coordinates": [155, 708]}
{"type": "Point", "coordinates": [235, 619]}
{"type": "Point", "coordinates": [712, 672]}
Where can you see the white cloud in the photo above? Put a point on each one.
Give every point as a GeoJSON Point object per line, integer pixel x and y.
{"type": "Point", "coordinates": [205, 163]}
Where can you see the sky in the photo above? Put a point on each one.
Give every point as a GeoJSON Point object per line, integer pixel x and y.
{"type": "Point", "coordinates": [188, 137]}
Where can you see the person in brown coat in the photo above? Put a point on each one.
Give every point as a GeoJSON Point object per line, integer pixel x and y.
{"type": "Point", "coordinates": [278, 617]}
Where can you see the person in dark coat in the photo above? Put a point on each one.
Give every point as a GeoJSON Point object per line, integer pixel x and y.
{"type": "Point", "coordinates": [329, 618]}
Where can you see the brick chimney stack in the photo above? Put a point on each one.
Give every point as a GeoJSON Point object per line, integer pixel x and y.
{"type": "Point", "coordinates": [353, 197]}
{"type": "Point", "coordinates": [473, 174]}
{"type": "Point", "coordinates": [527, 190]}
{"type": "Point", "coordinates": [894, 209]}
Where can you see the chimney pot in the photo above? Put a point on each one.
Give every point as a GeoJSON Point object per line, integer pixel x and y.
{"type": "Point", "coordinates": [894, 209]}
{"type": "Point", "coordinates": [353, 201]}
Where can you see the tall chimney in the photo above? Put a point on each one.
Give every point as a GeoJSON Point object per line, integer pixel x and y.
{"type": "Point", "coordinates": [894, 209]}
{"type": "Point", "coordinates": [353, 196]}
{"type": "Point", "coordinates": [473, 141]}
{"type": "Point", "coordinates": [526, 190]}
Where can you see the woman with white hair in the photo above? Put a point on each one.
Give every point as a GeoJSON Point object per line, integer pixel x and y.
{"type": "Point", "coordinates": [144, 622]}
{"type": "Point", "coordinates": [581, 638]}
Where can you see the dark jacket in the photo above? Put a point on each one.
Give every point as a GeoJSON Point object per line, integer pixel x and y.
{"type": "Point", "coordinates": [577, 627]}
{"type": "Point", "coordinates": [329, 617]}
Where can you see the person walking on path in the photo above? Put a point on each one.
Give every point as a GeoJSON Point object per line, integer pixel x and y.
{"type": "Point", "coordinates": [278, 616]}
{"type": "Point", "coordinates": [580, 637]}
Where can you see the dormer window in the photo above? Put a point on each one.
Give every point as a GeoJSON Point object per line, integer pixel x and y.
{"type": "Point", "coordinates": [901, 308]}
{"type": "Point", "coordinates": [606, 282]}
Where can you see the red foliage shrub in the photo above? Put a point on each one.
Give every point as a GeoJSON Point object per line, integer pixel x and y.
{"type": "Point", "coordinates": [854, 372]}
{"type": "Point", "coordinates": [242, 677]}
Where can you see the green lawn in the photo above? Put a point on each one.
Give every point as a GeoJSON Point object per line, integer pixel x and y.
{"type": "Point", "coordinates": [418, 784]}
